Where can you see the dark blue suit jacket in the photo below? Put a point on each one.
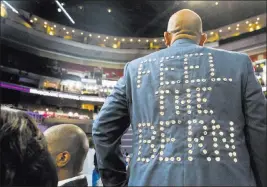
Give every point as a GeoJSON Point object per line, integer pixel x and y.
{"type": "Point", "coordinates": [198, 117]}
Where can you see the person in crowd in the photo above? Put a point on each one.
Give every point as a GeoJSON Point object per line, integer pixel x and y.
{"type": "Point", "coordinates": [127, 160]}
{"type": "Point", "coordinates": [25, 160]}
{"type": "Point", "coordinates": [96, 176]}
{"type": "Point", "coordinates": [125, 152]}
{"type": "Point", "coordinates": [125, 155]}
{"type": "Point", "coordinates": [68, 146]}
{"type": "Point", "coordinates": [264, 75]}
{"type": "Point", "coordinates": [198, 116]}
{"type": "Point", "coordinates": [88, 165]}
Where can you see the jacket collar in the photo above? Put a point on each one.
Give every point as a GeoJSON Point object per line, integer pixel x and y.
{"type": "Point", "coordinates": [62, 182]}
{"type": "Point", "coordinates": [183, 41]}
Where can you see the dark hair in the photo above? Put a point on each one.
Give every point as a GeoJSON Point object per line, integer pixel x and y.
{"type": "Point", "coordinates": [25, 160]}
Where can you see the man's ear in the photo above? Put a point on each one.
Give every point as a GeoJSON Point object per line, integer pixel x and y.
{"type": "Point", "coordinates": [167, 39]}
{"type": "Point", "coordinates": [203, 39]}
{"type": "Point", "coordinates": [62, 159]}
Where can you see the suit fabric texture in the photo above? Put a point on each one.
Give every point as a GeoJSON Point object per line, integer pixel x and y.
{"type": "Point", "coordinates": [198, 117]}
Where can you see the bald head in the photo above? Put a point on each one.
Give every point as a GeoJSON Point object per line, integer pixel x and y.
{"type": "Point", "coordinates": [184, 24]}
{"type": "Point", "coordinates": [68, 145]}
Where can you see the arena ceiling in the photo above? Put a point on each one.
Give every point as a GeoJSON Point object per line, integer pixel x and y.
{"type": "Point", "coordinates": [138, 18]}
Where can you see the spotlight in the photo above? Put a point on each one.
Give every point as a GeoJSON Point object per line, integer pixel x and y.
{"type": "Point", "coordinates": [67, 32]}
{"type": "Point", "coordinates": [237, 28]}
{"type": "Point", "coordinates": [115, 39]}
{"type": "Point", "coordinates": [123, 39]}
{"type": "Point", "coordinates": [73, 31]}
{"type": "Point", "coordinates": [31, 21]}
{"type": "Point", "coordinates": [220, 30]}
{"type": "Point", "coordinates": [90, 35]}
{"type": "Point", "coordinates": [216, 3]}
{"type": "Point", "coordinates": [247, 22]}
{"type": "Point", "coordinates": [35, 19]}
{"type": "Point", "coordinates": [211, 33]}
{"type": "Point", "coordinates": [11, 7]}
{"type": "Point", "coordinates": [98, 36]}
{"type": "Point", "coordinates": [45, 22]}
{"type": "Point", "coordinates": [105, 40]}
{"type": "Point", "coordinates": [64, 28]}
{"type": "Point", "coordinates": [147, 40]}
{"type": "Point", "coordinates": [59, 10]}
{"type": "Point", "coordinates": [107, 37]}
{"type": "Point", "coordinates": [139, 40]}
{"type": "Point", "coordinates": [131, 40]}
{"type": "Point", "coordinates": [256, 22]}
{"type": "Point", "coordinates": [65, 12]}
{"type": "Point", "coordinates": [55, 26]}
{"type": "Point", "coordinates": [237, 25]}
{"type": "Point", "coordinates": [229, 28]}
{"type": "Point", "coordinates": [258, 18]}
{"type": "Point", "coordinates": [109, 10]}
{"type": "Point", "coordinates": [163, 40]}
{"type": "Point", "coordinates": [155, 40]}
{"type": "Point", "coordinates": [81, 33]}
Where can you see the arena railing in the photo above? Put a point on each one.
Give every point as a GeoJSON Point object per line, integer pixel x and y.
{"type": "Point", "coordinates": [85, 37]}
{"type": "Point", "coordinates": [51, 93]}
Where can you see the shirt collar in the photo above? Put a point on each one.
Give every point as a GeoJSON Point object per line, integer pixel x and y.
{"type": "Point", "coordinates": [183, 41]}
{"type": "Point", "coordinates": [62, 182]}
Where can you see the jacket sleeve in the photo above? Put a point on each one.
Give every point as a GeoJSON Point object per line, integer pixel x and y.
{"type": "Point", "coordinates": [254, 105]}
{"type": "Point", "coordinates": [112, 121]}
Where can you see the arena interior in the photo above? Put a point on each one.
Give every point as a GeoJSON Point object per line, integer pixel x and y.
{"type": "Point", "coordinates": [59, 69]}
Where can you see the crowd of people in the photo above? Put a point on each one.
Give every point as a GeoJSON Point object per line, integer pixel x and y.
{"type": "Point", "coordinates": [222, 146]}
{"type": "Point", "coordinates": [25, 159]}
{"type": "Point", "coordinates": [63, 156]}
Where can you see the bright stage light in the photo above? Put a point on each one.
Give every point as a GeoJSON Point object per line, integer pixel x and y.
{"type": "Point", "coordinates": [65, 12]}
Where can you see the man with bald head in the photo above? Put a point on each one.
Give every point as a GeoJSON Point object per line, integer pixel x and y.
{"type": "Point", "coordinates": [68, 146]}
{"type": "Point", "coordinates": [198, 116]}
{"type": "Point", "coordinates": [185, 24]}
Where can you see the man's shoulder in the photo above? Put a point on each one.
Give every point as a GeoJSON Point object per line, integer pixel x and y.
{"type": "Point", "coordinates": [226, 53]}
{"type": "Point", "coordinates": [237, 57]}
{"type": "Point", "coordinates": [229, 58]}
{"type": "Point", "coordinates": [150, 57]}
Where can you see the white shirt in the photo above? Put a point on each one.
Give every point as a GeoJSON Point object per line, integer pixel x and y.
{"type": "Point", "coordinates": [60, 183]}
{"type": "Point", "coordinates": [88, 166]}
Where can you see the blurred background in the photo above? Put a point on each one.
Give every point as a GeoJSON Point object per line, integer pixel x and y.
{"type": "Point", "coordinates": [61, 59]}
